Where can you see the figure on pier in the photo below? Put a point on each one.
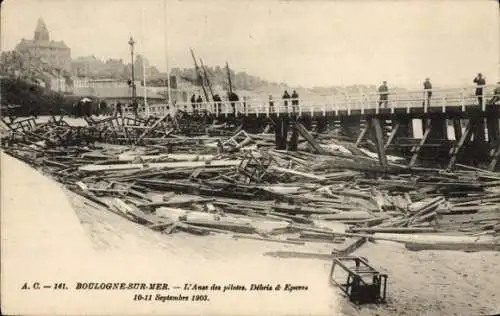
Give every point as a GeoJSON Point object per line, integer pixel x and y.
{"type": "Point", "coordinates": [496, 95]}
{"type": "Point", "coordinates": [428, 91]}
{"type": "Point", "coordinates": [480, 82]}
{"type": "Point", "coordinates": [118, 109]}
{"type": "Point", "coordinates": [271, 104]}
{"type": "Point", "coordinates": [193, 103]}
{"type": "Point", "coordinates": [217, 103]}
{"type": "Point", "coordinates": [295, 101]}
{"type": "Point", "coordinates": [383, 91]}
{"type": "Point", "coordinates": [135, 107]}
{"type": "Point", "coordinates": [233, 98]}
{"type": "Point", "coordinates": [286, 96]}
{"type": "Point", "coordinates": [199, 102]}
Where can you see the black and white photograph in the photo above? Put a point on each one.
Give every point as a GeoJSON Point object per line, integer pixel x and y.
{"type": "Point", "coordinates": [250, 157]}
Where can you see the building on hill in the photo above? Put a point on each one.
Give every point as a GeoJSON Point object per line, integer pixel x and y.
{"type": "Point", "coordinates": [54, 53]}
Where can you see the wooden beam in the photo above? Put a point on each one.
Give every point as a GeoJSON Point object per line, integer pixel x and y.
{"type": "Point", "coordinates": [466, 136]}
{"type": "Point", "coordinates": [173, 165]}
{"type": "Point", "coordinates": [363, 133]}
{"type": "Point", "coordinates": [380, 142]}
{"type": "Point", "coordinates": [152, 127]}
{"type": "Point", "coordinates": [416, 149]}
{"type": "Point", "coordinates": [393, 133]}
{"type": "Point", "coordinates": [304, 133]}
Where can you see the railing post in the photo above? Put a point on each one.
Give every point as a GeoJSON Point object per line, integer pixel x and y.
{"type": "Point", "coordinates": [463, 99]}
{"type": "Point", "coordinates": [279, 109]}
{"type": "Point", "coordinates": [301, 104]}
{"type": "Point", "coordinates": [332, 102]}
{"type": "Point", "coordinates": [393, 101]}
{"type": "Point", "coordinates": [443, 104]}
{"type": "Point", "coordinates": [348, 102]}
{"type": "Point", "coordinates": [336, 100]}
{"type": "Point", "coordinates": [425, 105]}
{"type": "Point", "coordinates": [311, 107]}
{"type": "Point", "coordinates": [363, 98]}
{"type": "Point", "coordinates": [483, 105]}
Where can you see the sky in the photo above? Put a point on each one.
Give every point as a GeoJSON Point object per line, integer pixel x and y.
{"type": "Point", "coordinates": [306, 43]}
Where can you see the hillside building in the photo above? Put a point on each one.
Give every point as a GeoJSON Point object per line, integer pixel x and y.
{"type": "Point", "coordinates": [55, 53]}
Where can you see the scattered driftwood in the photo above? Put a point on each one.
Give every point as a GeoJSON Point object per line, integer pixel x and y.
{"type": "Point", "coordinates": [170, 174]}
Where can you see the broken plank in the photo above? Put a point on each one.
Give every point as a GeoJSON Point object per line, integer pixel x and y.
{"type": "Point", "coordinates": [307, 136]}
{"type": "Point", "coordinates": [269, 239]}
{"type": "Point", "coordinates": [399, 230]}
{"type": "Point", "coordinates": [173, 165]}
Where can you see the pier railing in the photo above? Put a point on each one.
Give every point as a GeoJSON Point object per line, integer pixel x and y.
{"type": "Point", "coordinates": [321, 105]}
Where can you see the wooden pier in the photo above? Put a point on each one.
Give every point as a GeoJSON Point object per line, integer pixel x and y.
{"type": "Point", "coordinates": [476, 139]}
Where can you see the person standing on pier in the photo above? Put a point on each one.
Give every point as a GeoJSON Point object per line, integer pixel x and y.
{"type": "Point", "coordinates": [295, 101]}
{"type": "Point", "coordinates": [480, 82]}
{"type": "Point", "coordinates": [118, 109]}
{"type": "Point", "coordinates": [199, 102]}
{"type": "Point", "coordinates": [496, 95]}
{"type": "Point", "coordinates": [286, 96]}
{"type": "Point", "coordinates": [271, 104]}
{"type": "Point", "coordinates": [233, 97]}
{"type": "Point", "coordinates": [135, 108]}
{"type": "Point", "coordinates": [383, 91]}
{"type": "Point", "coordinates": [217, 103]}
{"type": "Point", "coordinates": [245, 105]}
{"type": "Point", "coordinates": [193, 103]}
{"type": "Point", "coordinates": [428, 91]}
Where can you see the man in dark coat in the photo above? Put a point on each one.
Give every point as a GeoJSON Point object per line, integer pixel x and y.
{"type": "Point", "coordinates": [119, 109]}
{"type": "Point", "coordinates": [233, 98]}
{"type": "Point", "coordinates": [480, 82]}
{"type": "Point", "coordinates": [217, 104]}
{"type": "Point", "coordinates": [199, 102]}
{"type": "Point", "coordinates": [496, 95]}
{"type": "Point", "coordinates": [383, 91]}
{"type": "Point", "coordinates": [271, 104]}
{"type": "Point", "coordinates": [193, 103]}
{"type": "Point", "coordinates": [286, 96]}
{"type": "Point", "coordinates": [428, 91]}
{"type": "Point", "coordinates": [135, 107]}
{"type": "Point", "coordinates": [295, 100]}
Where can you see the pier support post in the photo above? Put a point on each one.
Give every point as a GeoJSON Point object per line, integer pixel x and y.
{"type": "Point", "coordinates": [439, 129]}
{"type": "Point", "coordinates": [350, 126]}
{"type": "Point", "coordinates": [294, 139]}
{"type": "Point", "coordinates": [321, 124]}
{"type": "Point", "coordinates": [281, 132]}
{"type": "Point", "coordinates": [457, 128]}
{"type": "Point", "coordinates": [479, 131]}
{"type": "Point", "coordinates": [493, 129]}
{"type": "Point", "coordinates": [379, 136]}
{"type": "Point", "coordinates": [405, 129]}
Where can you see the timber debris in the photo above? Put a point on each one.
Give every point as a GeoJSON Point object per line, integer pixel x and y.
{"type": "Point", "coordinates": [163, 173]}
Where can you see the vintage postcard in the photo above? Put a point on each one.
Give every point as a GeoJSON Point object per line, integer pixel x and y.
{"type": "Point", "coordinates": [168, 157]}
